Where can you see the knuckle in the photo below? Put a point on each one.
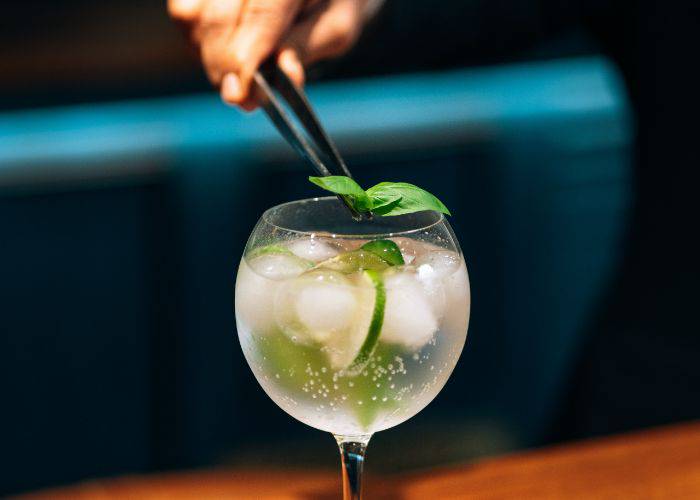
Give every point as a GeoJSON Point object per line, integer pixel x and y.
{"type": "Point", "coordinates": [216, 10]}
{"type": "Point", "coordinates": [344, 33]}
{"type": "Point", "coordinates": [235, 57]}
{"type": "Point", "coordinates": [263, 9]}
{"type": "Point", "coordinates": [218, 15]}
{"type": "Point", "coordinates": [222, 58]}
{"type": "Point", "coordinates": [211, 28]}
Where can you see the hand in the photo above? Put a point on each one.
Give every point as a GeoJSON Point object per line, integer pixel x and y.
{"type": "Point", "coordinates": [235, 36]}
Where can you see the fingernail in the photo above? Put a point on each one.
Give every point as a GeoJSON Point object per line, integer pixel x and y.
{"type": "Point", "coordinates": [231, 88]}
{"type": "Point", "coordinates": [291, 65]}
{"type": "Point", "coordinates": [186, 7]}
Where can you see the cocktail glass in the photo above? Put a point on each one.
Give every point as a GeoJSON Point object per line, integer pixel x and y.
{"type": "Point", "coordinates": [341, 330]}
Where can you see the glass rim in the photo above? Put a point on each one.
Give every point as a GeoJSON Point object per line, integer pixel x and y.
{"type": "Point", "coordinates": [266, 217]}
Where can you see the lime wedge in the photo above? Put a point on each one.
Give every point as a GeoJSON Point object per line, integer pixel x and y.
{"type": "Point", "coordinates": [278, 250]}
{"type": "Point", "coordinates": [269, 249]}
{"type": "Point", "coordinates": [387, 250]}
{"type": "Point", "coordinates": [375, 325]}
{"type": "Point", "coordinates": [351, 262]}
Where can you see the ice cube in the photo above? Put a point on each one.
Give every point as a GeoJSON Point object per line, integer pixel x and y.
{"type": "Point", "coordinates": [433, 288]}
{"type": "Point", "coordinates": [315, 306]}
{"type": "Point", "coordinates": [313, 249]}
{"type": "Point", "coordinates": [325, 309]}
{"type": "Point", "coordinates": [409, 247]}
{"type": "Point", "coordinates": [279, 266]}
{"type": "Point", "coordinates": [457, 283]}
{"type": "Point", "coordinates": [254, 299]}
{"type": "Point", "coordinates": [256, 286]}
{"type": "Point", "coordinates": [458, 299]}
{"type": "Point", "coordinates": [440, 263]}
{"type": "Point", "coordinates": [348, 244]}
{"type": "Point", "coordinates": [409, 317]}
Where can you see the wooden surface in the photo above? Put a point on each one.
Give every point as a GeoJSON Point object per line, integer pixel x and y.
{"type": "Point", "coordinates": [663, 463]}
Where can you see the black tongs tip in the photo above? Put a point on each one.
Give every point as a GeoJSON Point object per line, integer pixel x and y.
{"type": "Point", "coordinates": [270, 77]}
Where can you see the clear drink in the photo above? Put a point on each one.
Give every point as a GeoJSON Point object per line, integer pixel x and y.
{"type": "Point", "coordinates": [345, 339]}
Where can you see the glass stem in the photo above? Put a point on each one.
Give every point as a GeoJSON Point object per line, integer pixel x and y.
{"type": "Point", "coordinates": [352, 455]}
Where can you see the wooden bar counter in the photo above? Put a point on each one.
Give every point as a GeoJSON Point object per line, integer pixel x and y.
{"type": "Point", "coordinates": [653, 464]}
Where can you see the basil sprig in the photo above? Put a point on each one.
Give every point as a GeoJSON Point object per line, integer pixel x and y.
{"type": "Point", "coordinates": [386, 198]}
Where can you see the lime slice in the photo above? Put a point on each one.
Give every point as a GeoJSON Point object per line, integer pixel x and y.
{"type": "Point", "coordinates": [277, 250]}
{"type": "Point", "coordinates": [375, 325]}
{"type": "Point", "coordinates": [351, 262]}
{"type": "Point", "coordinates": [269, 249]}
{"type": "Point", "coordinates": [387, 250]}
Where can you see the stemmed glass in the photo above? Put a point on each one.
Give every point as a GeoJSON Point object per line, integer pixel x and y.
{"type": "Point", "coordinates": [351, 327]}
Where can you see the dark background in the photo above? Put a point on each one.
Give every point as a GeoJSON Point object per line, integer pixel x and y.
{"type": "Point", "coordinates": [127, 193]}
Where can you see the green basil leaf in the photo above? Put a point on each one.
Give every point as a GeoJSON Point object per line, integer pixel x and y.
{"type": "Point", "coordinates": [384, 201]}
{"type": "Point", "coordinates": [345, 186]}
{"type": "Point", "coordinates": [407, 198]}
{"type": "Point", "coordinates": [386, 209]}
{"type": "Point", "coordinates": [386, 198]}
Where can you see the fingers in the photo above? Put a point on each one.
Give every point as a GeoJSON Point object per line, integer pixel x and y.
{"type": "Point", "coordinates": [236, 36]}
{"type": "Point", "coordinates": [329, 32]}
{"type": "Point", "coordinates": [185, 10]}
{"type": "Point", "coordinates": [262, 25]}
{"type": "Point", "coordinates": [214, 32]}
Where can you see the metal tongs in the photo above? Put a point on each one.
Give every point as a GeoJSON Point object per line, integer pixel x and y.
{"type": "Point", "coordinates": [322, 152]}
